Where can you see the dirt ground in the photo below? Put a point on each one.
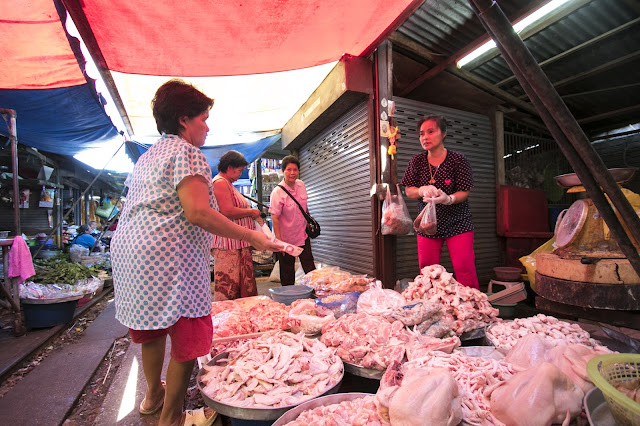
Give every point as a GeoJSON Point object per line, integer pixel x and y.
{"type": "Point", "coordinates": [89, 405]}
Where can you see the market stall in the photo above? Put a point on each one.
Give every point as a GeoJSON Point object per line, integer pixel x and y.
{"type": "Point", "coordinates": [430, 352]}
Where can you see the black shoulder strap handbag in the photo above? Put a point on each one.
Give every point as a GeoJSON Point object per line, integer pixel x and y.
{"type": "Point", "coordinates": [313, 227]}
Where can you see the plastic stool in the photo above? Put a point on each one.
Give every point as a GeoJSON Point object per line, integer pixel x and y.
{"type": "Point", "coordinates": [505, 284]}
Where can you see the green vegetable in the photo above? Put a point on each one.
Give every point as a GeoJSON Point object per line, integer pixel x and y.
{"type": "Point", "coordinates": [53, 271]}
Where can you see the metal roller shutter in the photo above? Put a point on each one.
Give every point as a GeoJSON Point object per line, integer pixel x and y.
{"type": "Point", "coordinates": [470, 134]}
{"type": "Point", "coordinates": [335, 169]}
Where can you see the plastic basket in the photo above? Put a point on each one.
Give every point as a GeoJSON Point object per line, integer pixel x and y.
{"type": "Point", "coordinates": [604, 369]}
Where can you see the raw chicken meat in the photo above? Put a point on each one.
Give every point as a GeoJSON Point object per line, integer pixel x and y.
{"type": "Point", "coordinates": [426, 397]}
{"type": "Point", "coordinates": [465, 308]}
{"type": "Point", "coordinates": [477, 377]}
{"type": "Point", "coordinates": [277, 369]}
{"type": "Point", "coordinates": [539, 396]}
{"type": "Point", "coordinates": [360, 412]}
{"type": "Point", "coordinates": [570, 358]}
{"type": "Point", "coordinates": [505, 334]}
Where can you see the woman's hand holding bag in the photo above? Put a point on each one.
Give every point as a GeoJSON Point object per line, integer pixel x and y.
{"type": "Point", "coordinates": [426, 222]}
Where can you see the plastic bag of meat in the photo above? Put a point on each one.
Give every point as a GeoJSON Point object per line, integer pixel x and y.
{"type": "Point", "coordinates": [395, 215]}
{"type": "Point", "coordinates": [308, 317]}
{"type": "Point", "coordinates": [341, 303]}
{"type": "Point", "coordinates": [379, 301]}
{"type": "Point", "coordinates": [426, 222]}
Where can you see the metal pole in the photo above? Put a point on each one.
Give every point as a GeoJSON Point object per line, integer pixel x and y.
{"type": "Point", "coordinates": [567, 133]}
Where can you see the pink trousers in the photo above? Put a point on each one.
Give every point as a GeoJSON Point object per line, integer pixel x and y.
{"type": "Point", "coordinates": [461, 252]}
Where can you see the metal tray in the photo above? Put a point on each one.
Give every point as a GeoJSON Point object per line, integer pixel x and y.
{"type": "Point", "coordinates": [244, 413]}
{"type": "Point", "coordinates": [478, 333]}
{"type": "Point", "coordinates": [293, 414]}
{"type": "Point", "coordinates": [367, 373]}
{"type": "Point", "coordinates": [619, 175]}
{"type": "Point", "coordinates": [597, 409]}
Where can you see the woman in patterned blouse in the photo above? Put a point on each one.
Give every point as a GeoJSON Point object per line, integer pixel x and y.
{"type": "Point", "coordinates": [160, 251]}
{"type": "Point", "coordinates": [445, 177]}
{"type": "Point", "coordinates": [233, 263]}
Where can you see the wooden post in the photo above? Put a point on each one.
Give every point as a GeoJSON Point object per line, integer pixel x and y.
{"type": "Point", "coordinates": [498, 125]}
{"type": "Point", "coordinates": [385, 266]}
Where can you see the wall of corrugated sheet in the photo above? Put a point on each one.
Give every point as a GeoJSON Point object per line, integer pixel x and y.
{"type": "Point", "coordinates": [335, 169]}
{"type": "Point", "coordinates": [470, 134]}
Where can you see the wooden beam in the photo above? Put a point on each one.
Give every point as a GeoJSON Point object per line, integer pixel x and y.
{"type": "Point", "coordinates": [491, 89]}
{"type": "Point", "coordinates": [498, 131]}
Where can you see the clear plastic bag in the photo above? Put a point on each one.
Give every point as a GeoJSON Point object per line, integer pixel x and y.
{"type": "Point", "coordinates": [340, 303]}
{"type": "Point", "coordinates": [308, 317]}
{"type": "Point", "coordinates": [426, 222]}
{"type": "Point", "coordinates": [76, 252]}
{"type": "Point", "coordinates": [395, 215]}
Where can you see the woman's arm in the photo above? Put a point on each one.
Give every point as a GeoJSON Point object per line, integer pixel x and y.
{"type": "Point", "coordinates": [225, 202]}
{"type": "Point", "coordinates": [461, 196]}
{"type": "Point", "coordinates": [276, 225]}
{"type": "Point", "coordinates": [412, 192]}
{"type": "Point", "coordinates": [193, 193]}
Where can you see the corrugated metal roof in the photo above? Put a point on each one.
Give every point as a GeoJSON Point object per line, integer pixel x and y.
{"type": "Point", "coordinates": [590, 53]}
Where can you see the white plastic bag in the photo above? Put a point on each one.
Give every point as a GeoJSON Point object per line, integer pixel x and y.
{"type": "Point", "coordinates": [76, 252]}
{"type": "Point", "coordinates": [395, 215]}
{"type": "Point", "coordinates": [275, 272]}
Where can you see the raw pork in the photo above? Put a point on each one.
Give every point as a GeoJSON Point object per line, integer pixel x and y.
{"type": "Point", "coordinates": [539, 396]}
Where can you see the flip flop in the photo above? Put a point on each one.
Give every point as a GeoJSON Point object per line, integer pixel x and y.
{"type": "Point", "coordinates": [154, 409]}
{"type": "Point", "coordinates": [197, 418]}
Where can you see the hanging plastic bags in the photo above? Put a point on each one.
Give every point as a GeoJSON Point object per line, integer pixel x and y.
{"type": "Point", "coordinates": [395, 215]}
{"type": "Point", "coordinates": [426, 222]}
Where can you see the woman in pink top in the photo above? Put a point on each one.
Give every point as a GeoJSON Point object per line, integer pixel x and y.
{"type": "Point", "coordinates": [289, 224]}
{"type": "Point", "coordinates": [233, 264]}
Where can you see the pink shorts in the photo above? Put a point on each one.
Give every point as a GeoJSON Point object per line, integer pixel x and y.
{"type": "Point", "coordinates": [190, 337]}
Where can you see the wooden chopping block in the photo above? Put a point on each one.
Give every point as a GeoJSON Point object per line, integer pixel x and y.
{"type": "Point", "coordinates": [605, 271]}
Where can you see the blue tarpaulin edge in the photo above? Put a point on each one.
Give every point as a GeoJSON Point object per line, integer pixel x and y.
{"type": "Point", "coordinates": [63, 121]}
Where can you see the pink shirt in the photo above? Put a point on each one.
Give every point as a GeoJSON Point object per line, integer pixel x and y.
{"type": "Point", "coordinates": [292, 221]}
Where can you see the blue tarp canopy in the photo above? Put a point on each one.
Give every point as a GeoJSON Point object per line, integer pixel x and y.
{"type": "Point", "coordinates": [64, 121]}
{"type": "Point", "coordinates": [250, 151]}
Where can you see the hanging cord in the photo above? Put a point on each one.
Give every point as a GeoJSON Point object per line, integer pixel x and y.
{"type": "Point", "coordinates": [77, 201]}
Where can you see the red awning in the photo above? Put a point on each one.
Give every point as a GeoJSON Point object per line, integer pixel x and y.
{"type": "Point", "coordinates": [195, 38]}
{"type": "Point", "coordinates": [34, 52]}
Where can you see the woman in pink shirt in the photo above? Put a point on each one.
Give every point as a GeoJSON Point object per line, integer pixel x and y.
{"type": "Point", "coordinates": [289, 224]}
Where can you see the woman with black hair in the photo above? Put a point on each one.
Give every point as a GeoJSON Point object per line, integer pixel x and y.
{"type": "Point", "coordinates": [233, 270]}
{"type": "Point", "coordinates": [444, 177]}
{"type": "Point", "coordinates": [289, 224]}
